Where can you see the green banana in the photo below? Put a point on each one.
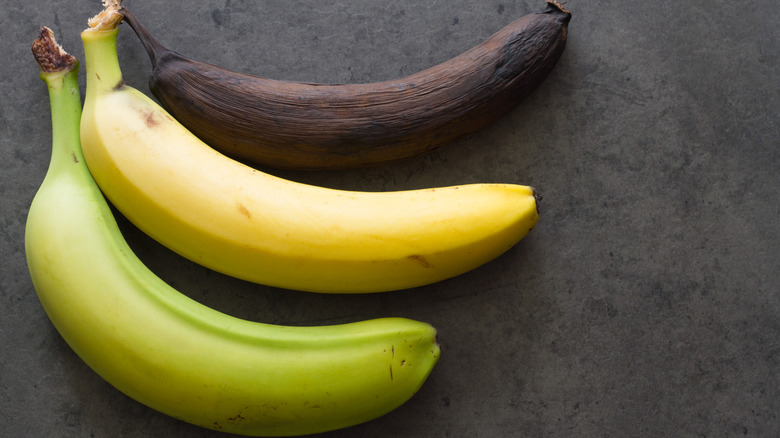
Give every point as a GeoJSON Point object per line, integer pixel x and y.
{"type": "Point", "coordinates": [181, 357]}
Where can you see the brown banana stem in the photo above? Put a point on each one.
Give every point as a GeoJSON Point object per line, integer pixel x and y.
{"type": "Point", "coordinates": [306, 126]}
{"type": "Point", "coordinates": [153, 47]}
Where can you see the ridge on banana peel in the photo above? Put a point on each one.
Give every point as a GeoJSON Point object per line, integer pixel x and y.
{"type": "Point", "coordinates": [251, 225]}
{"type": "Point", "coordinates": [176, 355]}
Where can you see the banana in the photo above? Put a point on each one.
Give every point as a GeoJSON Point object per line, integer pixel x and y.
{"type": "Point", "coordinates": [248, 224]}
{"type": "Point", "coordinates": [176, 355]}
{"type": "Point", "coordinates": [254, 226]}
{"type": "Point", "coordinates": [306, 126]}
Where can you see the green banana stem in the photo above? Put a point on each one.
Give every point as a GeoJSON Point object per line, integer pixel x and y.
{"type": "Point", "coordinates": [59, 71]}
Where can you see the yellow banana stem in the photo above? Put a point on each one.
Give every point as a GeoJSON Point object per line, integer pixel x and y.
{"type": "Point", "coordinates": [103, 72]}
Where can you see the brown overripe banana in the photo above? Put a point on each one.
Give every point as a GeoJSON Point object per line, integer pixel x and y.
{"type": "Point", "coordinates": [307, 126]}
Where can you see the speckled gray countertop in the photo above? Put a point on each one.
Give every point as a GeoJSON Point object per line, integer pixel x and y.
{"type": "Point", "coordinates": [646, 303]}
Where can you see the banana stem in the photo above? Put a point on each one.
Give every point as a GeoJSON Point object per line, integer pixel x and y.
{"type": "Point", "coordinates": [153, 47]}
{"type": "Point", "coordinates": [103, 71]}
{"type": "Point", "coordinates": [59, 71]}
{"type": "Point", "coordinates": [554, 6]}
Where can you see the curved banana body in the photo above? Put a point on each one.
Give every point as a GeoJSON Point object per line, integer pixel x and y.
{"type": "Point", "coordinates": [304, 126]}
{"type": "Point", "coordinates": [248, 224]}
{"type": "Point", "coordinates": [183, 358]}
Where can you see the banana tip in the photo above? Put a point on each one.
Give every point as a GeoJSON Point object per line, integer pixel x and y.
{"type": "Point", "coordinates": [538, 198]}
{"type": "Point", "coordinates": [557, 7]}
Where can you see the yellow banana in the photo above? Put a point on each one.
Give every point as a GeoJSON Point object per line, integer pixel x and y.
{"type": "Point", "coordinates": [248, 224]}
{"type": "Point", "coordinates": [176, 355]}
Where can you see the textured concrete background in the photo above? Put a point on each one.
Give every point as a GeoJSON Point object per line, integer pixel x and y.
{"type": "Point", "coordinates": [644, 304]}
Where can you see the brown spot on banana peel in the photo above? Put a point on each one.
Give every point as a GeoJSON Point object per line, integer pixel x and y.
{"type": "Point", "coordinates": [147, 114]}
{"type": "Point", "coordinates": [422, 261]}
{"type": "Point", "coordinates": [244, 211]}
{"type": "Point", "coordinates": [305, 126]}
{"type": "Point", "coordinates": [150, 119]}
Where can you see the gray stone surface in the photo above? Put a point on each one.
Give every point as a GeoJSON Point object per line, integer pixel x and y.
{"type": "Point", "coordinates": [646, 303]}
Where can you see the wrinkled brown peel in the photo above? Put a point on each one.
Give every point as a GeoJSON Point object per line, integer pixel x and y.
{"type": "Point", "coordinates": [305, 126]}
